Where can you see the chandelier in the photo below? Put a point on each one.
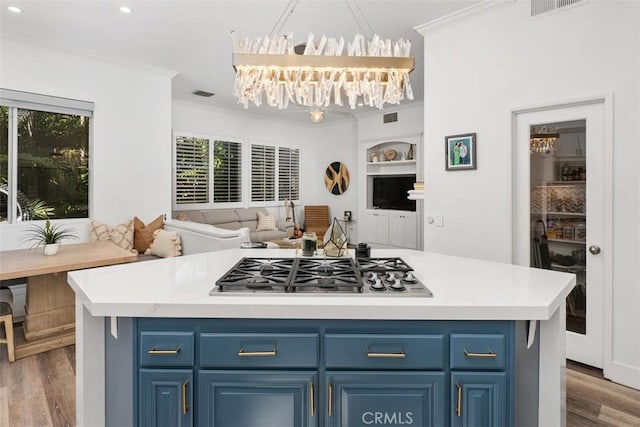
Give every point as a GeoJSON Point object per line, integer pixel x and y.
{"type": "Point", "coordinates": [271, 70]}
{"type": "Point", "coordinates": [543, 139]}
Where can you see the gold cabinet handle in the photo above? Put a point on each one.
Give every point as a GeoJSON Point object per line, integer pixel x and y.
{"type": "Point", "coordinates": [330, 399]}
{"type": "Point", "coordinates": [312, 398]}
{"type": "Point", "coordinates": [164, 352]}
{"type": "Point", "coordinates": [185, 407]}
{"type": "Point", "coordinates": [489, 354]}
{"type": "Point", "coordinates": [243, 353]}
{"type": "Point", "coordinates": [400, 355]}
{"type": "Point", "coordinates": [459, 404]}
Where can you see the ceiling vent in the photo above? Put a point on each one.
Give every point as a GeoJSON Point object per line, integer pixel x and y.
{"type": "Point", "coordinates": [203, 93]}
{"type": "Point", "coordinates": [390, 118]}
{"type": "Point", "coordinates": [541, 7]}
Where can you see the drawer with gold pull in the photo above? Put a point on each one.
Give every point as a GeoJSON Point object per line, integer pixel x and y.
{"type": "Point", "coordinates": [478, 351]}
{"type": "Point", "coordinates": [268, 350]}
{"type": "Point", "coordinates": [385, 351]}
{"type": "Point", "coordinates": [166, 348]}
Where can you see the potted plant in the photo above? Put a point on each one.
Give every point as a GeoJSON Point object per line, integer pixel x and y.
{"type": "Point", "coordinates": [48, 236]}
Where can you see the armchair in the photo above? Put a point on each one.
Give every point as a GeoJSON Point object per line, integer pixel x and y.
{"type": "Point", "coordinates": [316, 218]}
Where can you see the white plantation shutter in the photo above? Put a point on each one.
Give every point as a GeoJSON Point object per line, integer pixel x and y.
{"type": "Point", "coordinates": [288, 173]}
{"type": "Point", "coordinates": [263, 173]}
{"type": "Point", "coordinates": [192, 170]}
{"type": "Point", "coordinates": [227, 172]}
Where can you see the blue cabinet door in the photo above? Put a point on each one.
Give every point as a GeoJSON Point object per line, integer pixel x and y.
{"type": "Point", "coordinates": [165, 397]}
{"type": "Point", "coordinates": [479, 399]}
{"type": "Point", "coordinates": [363, 399]}
{"type": "Point", "coordinates": [257, 398]}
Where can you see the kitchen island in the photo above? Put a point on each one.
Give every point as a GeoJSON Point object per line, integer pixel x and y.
{"type": "Point", "coordinates": [118, 308]}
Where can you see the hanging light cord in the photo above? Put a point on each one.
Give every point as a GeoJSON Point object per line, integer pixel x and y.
{"type": "Point", "coordinates": [288, 11]}
{"type": "Point", "coordinates": [364, 18]}
{"type": "Point", "coordinates": [291, 6]}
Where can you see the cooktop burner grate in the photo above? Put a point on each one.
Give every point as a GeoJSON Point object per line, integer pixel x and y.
{"type": "Point", "coordinates": [258, 274]}
{"type": "Point", "coordinates": [317, 275]}
{"type": "Point", "coordinates": [383, 265]}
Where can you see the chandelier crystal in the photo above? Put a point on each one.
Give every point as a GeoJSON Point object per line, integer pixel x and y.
{"type": "Point", "coordinates": [269, 71]}
{"type": "Point", "coordinates": [543, 139]}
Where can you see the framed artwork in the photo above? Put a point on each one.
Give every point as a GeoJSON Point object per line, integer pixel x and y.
{"type": "Point", "coordinates": [460, 151]}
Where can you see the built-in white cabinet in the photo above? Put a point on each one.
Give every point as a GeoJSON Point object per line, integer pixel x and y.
{"type": "Point", "coordinates": [403, 230]}
{"type": "Point", "coordinates": [389, 170]}
{"type": "Point", "coordinates": [390, 228]}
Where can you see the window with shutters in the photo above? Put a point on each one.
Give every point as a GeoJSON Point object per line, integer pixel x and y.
{"type": "Point", "coordinates": [227, 172]}
{"type": "Point", "coordinates": [288, 173]}
{"type": "Point", "coordinates": [191, 170]}
{"type": "Point", "coordinates": [207, 171]}
{"type": "Point", "coordinates": [263, 173]}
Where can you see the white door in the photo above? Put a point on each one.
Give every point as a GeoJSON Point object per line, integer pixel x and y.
{"type": "Point", "coordinates": [570, 196]}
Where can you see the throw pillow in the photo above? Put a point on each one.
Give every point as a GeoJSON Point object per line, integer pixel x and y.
{"type": "Point", "coordinates": [266, 222]}
{"type": "Point", "coordinates": [143, 235]}
{"type": "Point", "coordinates": [121, 234]}
{"type": "Point", "coordinates": [165, 244]}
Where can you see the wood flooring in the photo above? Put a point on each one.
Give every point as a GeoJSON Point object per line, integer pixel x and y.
{"type": "Point", "coordinates": [40, 391]}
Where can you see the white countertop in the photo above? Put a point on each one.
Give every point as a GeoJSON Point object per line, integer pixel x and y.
{"type": "Point", "coordinates": [462, 289]}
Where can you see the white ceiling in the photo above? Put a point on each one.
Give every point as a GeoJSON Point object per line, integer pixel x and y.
{"type": "Point", "coordinates": [193, 39]}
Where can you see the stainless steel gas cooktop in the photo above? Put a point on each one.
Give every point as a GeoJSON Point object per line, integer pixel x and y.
{"type": "Point", "coordinates": [364, 276]}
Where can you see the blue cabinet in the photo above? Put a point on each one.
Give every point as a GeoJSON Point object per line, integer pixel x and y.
{"type": "Point", "coordinates": [165, 397]}
{"type": "Point", "coordinates": [331, 373]}
{"type": "Point", "coordinates": [229, 398]}
{"type": "Point", "coordinates": [480, 399]}
{"type": "Point", "coordinates": [409, 398]}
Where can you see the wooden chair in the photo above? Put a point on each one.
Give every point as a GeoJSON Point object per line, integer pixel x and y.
{"type": "Point", "coordinates": [6, 318]}
{"type": "Point", "coordinates": [316, 218]}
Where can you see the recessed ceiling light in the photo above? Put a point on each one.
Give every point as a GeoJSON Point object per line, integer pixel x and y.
{"type": "Point", "coordinates": [203, 93]}
{"type": "Point", "coordinates": [14, 9]}
{"type": "Point", "coordinates": [125, 9]}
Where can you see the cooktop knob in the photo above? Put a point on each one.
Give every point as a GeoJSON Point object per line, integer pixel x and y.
{"type": "Point", "coordinates": [397, 286]}
{"type": "Point", "coordinates": [378, 286]}
{"type": "Point", "coordinates": [390, 279]}
{"type": "Point", "coordinates": [371, 278]}
{"type": "Point", "coordinates": [409, 278]}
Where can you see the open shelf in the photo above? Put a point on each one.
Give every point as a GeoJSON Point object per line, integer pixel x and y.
{"type": "Point", "coordinates": [573, 242]}
{"type": "Point", "coordinates": [567, 214]}
{"type": "Point", "coordinates": [393, 162]}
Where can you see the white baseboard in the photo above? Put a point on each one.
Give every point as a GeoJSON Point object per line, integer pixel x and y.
{"type": "Point", "coordinates": [624, 374]}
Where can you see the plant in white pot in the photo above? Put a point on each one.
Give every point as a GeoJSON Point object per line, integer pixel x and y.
{"type": "Point", "coordinates": [48, 236]}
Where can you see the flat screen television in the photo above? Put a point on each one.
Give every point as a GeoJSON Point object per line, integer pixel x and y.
{"type": "Point", "coordinates": [390, 192]}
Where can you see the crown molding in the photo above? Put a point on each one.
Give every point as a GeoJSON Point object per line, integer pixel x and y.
{"type": "Point", "coordinates": [164, 72]}
{"type": "Point", "coordinates": [462, 14]}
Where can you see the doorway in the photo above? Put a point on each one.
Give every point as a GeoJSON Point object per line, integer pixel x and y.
{"type": "Point", "coordinates": [562, 221]}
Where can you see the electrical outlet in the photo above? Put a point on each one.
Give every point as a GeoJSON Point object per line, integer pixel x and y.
{"type": "Point", "coordinates": [439, 220]}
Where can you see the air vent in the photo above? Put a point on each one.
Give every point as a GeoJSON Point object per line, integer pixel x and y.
{"type": "Point", "coordinates": [390, 118]}
{"type": "Point", "coordinates": [203, 93]}
{"type": "Point", "coordinates": [540, 7]}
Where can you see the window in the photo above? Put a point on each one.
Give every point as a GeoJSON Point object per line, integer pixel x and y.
{"type": "Point", "coordinates": [192, 170]}
{"type": "Point", "coordinates": [206, 172]}
{"type": "Point", "coordinates": [227, 172]}
{"type": "Point", "coordinates": [288, 173]}
{"type": "Point", "coordinates": [263, 173]}
{"type": "Point", "coordinates": [44, 157]}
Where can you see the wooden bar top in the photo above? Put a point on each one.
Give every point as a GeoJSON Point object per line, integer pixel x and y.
{"type": "Point", "coordinates": [32, 262]}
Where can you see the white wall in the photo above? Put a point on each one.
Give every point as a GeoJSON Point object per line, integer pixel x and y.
{"type": "Point", "coordinates": [372, 128]}
{"type": "Point", "coordinates": [130, 153]}
{"type": "Point", "coordinates": [480, 68]}
{"type": "Point", "coordinates": [319, 146]}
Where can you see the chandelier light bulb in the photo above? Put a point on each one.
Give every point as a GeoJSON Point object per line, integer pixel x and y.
{"type": "Point", "coordinates": [316, 116]}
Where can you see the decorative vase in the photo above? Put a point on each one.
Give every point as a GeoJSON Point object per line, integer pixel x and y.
{"type": "Point", "coordinates": [335, 240]}
{"type": "Point", "coordinates": [51, 249]}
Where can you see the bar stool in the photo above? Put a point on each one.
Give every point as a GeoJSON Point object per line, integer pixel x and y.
{"type": "Point", "coordinates": [6, 318]}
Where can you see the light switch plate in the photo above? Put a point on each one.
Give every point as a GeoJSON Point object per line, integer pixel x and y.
{"type": "Point", "coordinates": [439, 220]}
